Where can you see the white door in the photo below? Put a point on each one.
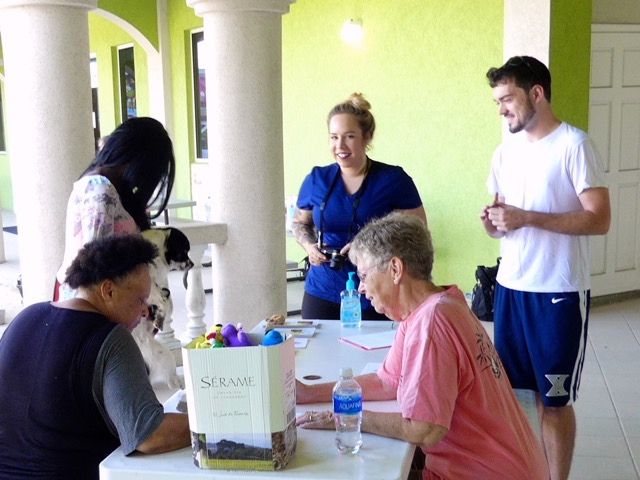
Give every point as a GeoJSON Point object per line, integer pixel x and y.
{"type": "Point", "coordinates": [614, 125]}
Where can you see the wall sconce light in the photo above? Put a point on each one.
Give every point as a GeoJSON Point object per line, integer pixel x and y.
{"type": "Point", "coordinates": [351, 31]}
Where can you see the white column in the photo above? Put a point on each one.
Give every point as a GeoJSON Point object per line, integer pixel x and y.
{"type": "Point", "coordinates": [244, 111]}
{"type": "Point", "coordinates": [527, 29]}
{"type": "Point", "coordinates": [49, 129]}
{"type": "Point", "coordinates": [159, 65]}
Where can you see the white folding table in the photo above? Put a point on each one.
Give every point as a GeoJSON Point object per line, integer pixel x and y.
{"type": "Point", "coordinates": [316, 455]}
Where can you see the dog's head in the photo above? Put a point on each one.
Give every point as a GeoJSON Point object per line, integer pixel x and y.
{"type": "Point", "coordinates": [173, 247]}
{"type": "Point", "coordinates": [173, 254]}
{"type": "Point", "coordinates": [176, 251]}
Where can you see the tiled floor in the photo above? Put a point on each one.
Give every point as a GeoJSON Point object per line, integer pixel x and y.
{"type": "Point", "coordinates": [608, 411]}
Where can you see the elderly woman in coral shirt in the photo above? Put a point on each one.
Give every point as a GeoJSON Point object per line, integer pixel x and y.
{"type": "Point", "coordinates": [455, 399]}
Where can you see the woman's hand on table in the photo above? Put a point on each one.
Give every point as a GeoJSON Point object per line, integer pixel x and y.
{"type": "Point", "coordinates": [316, 393]}
{"type": "Point", "coordinates": [303, 393]}
{"type": "Point", "coordinates": [313, 419]}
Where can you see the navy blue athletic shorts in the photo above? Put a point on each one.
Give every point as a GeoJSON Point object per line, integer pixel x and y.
{"type": "Point", "coordinates": [541, 339]}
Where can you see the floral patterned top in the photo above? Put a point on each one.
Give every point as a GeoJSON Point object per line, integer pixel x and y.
{"type": "Point", "coordinates": [94, 211]}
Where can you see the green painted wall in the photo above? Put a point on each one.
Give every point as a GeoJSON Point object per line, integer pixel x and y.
{"type": "Point", "coordinates": [569, 60]}
{"type": "Point", "coordinates": [107, 59]}
{"type": "Point", "coordinates": [182, 21]}
{"type": "Point", "coordinates": [141, 14]}
{"type": "Point", "coordinates": [421, 65]}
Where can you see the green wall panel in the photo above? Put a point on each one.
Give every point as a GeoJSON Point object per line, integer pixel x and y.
{"type": "Point", "coordinates": [182, 21]}
{"type": "Point", "coordinates": [141, 14]}
{"type": "Point", "coordinates": [569, 60]}
{"type": "Point", "coordinates": [421, 65]}
{"type": "Point", "coordinates": [107, 60]}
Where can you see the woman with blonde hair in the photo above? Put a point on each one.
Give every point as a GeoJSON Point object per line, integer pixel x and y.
{"type": "Point", "coordinates": [337, 200]}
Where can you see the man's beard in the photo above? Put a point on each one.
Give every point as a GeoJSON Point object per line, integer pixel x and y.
{"type": "Point", "coordinates": [528, 114]}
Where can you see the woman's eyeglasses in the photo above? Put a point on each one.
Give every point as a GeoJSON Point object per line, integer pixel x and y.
{"type": "Point", "coordinates": [363, 273]}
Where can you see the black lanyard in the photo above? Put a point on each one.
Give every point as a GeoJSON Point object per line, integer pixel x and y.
{"type": "Point", "coordinates": [355, 204]}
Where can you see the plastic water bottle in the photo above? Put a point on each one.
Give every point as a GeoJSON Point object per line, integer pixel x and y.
{"type": "Point", "coordinates": [350, 310]}
{"type": "Point", "coordinates": [347, 412]}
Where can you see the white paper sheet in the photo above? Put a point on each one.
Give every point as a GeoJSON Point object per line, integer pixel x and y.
{"type": "Point", "coordinates": [371, 341]}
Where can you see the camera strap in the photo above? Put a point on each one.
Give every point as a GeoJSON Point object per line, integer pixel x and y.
{"type": "Point", "coordinates": [354, 204]}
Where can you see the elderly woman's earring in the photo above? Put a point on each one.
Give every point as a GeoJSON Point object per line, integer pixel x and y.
{"type": "Point", "coordinates": [135, 190]}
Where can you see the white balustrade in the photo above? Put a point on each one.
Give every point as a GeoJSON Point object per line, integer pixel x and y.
{"type": "Point", "coordinates": [194, 298]}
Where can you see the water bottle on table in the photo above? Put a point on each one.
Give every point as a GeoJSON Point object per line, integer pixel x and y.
{"type": "Point", "coordinates": [347, 412]}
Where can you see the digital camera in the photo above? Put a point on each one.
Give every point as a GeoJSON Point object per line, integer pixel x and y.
{"type": "Point", "coordinates": [336, 258]}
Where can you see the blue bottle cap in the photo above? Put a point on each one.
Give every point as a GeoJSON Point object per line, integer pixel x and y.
{"type": "Point", "coordinates": [350, 284]}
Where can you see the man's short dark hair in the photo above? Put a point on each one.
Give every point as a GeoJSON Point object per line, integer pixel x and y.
{"type": "Point", "coordinates": [109, 258]}
{"type": "Point", "coordinates": [525, 72]}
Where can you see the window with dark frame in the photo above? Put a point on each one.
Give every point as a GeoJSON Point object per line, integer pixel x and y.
{"type": "Point", "coordinates": [93, 69]}
{"type": "Point", "coordinates": [127, 72]}
{"type": "Point", "coordinates": [199, 95]}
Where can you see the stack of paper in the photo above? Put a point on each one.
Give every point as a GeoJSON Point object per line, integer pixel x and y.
{"type": "Point", "coordinates": [300, 330]}
{"type": "Point", "coordinates": [296, 332]}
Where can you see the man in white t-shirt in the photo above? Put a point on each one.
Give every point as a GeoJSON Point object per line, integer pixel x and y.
{"type": "Point", "coordinates": [550, 194]}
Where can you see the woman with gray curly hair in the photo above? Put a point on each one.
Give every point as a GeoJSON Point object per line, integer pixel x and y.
{"type": "Point", "coordinates": [455, 400]}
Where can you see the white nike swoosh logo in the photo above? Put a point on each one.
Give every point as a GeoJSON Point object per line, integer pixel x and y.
{"type": "Point", "coordinates": [556, 300]}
